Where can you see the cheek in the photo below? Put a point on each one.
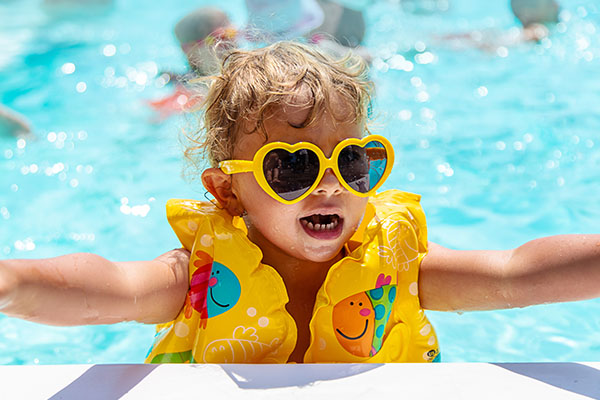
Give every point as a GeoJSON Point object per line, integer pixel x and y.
{"type": "Point", "coordinates": [357, 209]}
{"type": "Point", "coordinates": [265, 213]}
{"type": "Point", "coordinates": [274, 222]}
{"type": "Point", "coordinates": [248, 191]}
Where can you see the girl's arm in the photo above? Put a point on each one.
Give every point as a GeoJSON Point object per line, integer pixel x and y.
{"type": "Point", "coordinates": [83, 289]}
{"type": "Point", "coordinates": [551, 269]}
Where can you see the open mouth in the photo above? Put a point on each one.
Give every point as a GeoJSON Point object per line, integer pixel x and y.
{"type": "Point", "coordinates": [318, 222]}
{"type": "Point", "coordinates": [322, 226]}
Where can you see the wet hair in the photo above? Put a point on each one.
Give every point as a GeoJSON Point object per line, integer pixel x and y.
{"type": "Point", "coordinates": [254, 85]}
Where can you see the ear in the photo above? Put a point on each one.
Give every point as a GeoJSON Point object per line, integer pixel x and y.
{"type": "Point", "coordinates": [218, 183]}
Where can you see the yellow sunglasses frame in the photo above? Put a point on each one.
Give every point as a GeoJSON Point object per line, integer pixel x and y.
{"type": "Point", "coordinates": [256, 164]}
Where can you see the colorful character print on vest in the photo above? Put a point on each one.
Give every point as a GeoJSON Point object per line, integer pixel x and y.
{"type": "Point", "coordinates": [368, 308]}
{"type": "Point", "coordinates": [214, 289]}
{"type": "Point", "coordinates": [234, 311]}
{"type": "Point", "coordinates": [359, 320]}
{"type": "Point", "coordinates": [366, 311]}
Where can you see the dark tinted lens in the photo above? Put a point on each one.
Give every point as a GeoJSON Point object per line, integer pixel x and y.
{"type": "Point", "coordinates": [290, 175]}
{"type": "Point", "coordinates": [363, 167]}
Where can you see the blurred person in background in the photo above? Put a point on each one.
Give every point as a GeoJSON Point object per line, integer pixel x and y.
{"type": "Point", "coordinates": [537, 17]}
{"type": "Point", "coordinates": [205, 34]}
{"type": "Point", "coordinates": [12, 123]}
{"type": "Point", "coordinates": [331, 25]}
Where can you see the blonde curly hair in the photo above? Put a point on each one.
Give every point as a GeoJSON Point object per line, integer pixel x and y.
{"type": "Point", "coordinates": [254, 84]}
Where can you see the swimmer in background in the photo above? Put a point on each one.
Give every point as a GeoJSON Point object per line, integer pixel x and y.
{"type": "Point", "coordinates": [334, 27]}
{"type": "Point", "coordinates": [203, 35]}
{"type": "Point", "coordinates": [206, 33]}
{"type": "Point", "coordinates": [537, 17]}
{"type": "Point", "coordinates": [12, 123]}
{"type": "Point", "coordinates": [296, 95]}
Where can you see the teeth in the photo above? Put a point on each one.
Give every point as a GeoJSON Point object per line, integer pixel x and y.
{"type": "Point", "coordinates": [320, 227]}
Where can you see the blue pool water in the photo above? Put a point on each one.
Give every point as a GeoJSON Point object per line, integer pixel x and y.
{"type": "Point", "coordinates": [503, 145]}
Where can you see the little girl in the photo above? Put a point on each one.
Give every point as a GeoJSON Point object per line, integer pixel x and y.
{"type": "Point", "coordinates": [297, 259]}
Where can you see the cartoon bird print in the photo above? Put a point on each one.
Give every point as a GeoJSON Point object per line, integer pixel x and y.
{"type": "Point", "coordinates": [214, 289]}
{"type": "Point", "coordinates": [353, 324]}
{"type": "Point", "coordinates": [359, 320]}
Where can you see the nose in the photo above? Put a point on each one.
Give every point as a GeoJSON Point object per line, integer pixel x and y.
{"type": "Point", "coordinates": [329, 185]}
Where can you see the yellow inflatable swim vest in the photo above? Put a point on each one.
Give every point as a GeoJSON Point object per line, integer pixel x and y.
{"type": "Point", "coordinates": [367, 309]}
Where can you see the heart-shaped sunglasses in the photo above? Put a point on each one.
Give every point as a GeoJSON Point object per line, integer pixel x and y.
{"type": "Point", "coordinates": [290, 172]}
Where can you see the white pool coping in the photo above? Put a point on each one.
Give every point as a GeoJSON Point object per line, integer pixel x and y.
{"type": "Point", "coordinates": [313, 381]}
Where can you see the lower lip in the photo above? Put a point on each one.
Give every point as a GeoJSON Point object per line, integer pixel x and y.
{"type": "Point", "coordinates": [325, 235]}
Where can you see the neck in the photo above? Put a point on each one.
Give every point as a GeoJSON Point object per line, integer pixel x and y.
{"type": "Point", "coordinates": [299, 276]}
{"type": "Point", "coordinates": [302, 279]}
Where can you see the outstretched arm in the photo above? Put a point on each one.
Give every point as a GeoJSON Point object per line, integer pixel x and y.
{"type": "Point", "coordinates": [551, 269]}
{"type": "Point", "coordinates": [82, 289]}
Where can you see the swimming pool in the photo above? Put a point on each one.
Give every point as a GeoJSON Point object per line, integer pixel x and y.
{"type": "Point", "coordinates": [504, 146]}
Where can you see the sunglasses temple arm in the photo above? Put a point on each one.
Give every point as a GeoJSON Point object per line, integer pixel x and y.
{"type": "Point", "coordinates": [236, 166]}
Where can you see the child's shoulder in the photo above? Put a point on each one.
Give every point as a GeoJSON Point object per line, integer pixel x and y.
{"type": "Point", "coordinates": [186, 217]}
{"type": "Point", "coordinates": [190, 208]}
{"type": "Point", "coordinates": [395, 205]}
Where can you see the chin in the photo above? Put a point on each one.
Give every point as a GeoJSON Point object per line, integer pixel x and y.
{"type": "Point", "coordinates": [321, 255]}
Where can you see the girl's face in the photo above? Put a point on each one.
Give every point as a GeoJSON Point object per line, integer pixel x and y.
{"type": "Point", "coordinates": [292, 228]}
